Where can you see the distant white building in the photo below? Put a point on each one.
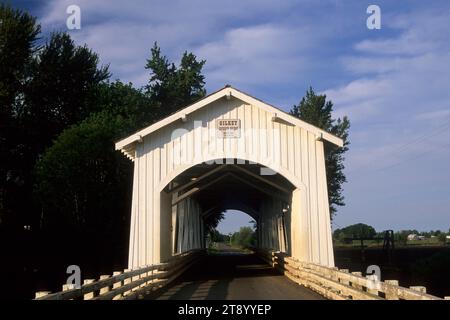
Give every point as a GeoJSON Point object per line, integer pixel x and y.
{"type": "Point", "coordinates": [414, 236]}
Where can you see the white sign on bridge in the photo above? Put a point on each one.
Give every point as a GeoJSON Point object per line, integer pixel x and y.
{"type": "Point", "coordinates": [228, 128]}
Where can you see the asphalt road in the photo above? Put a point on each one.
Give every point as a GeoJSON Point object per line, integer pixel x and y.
{"type": "Point", "coordinates": [232, 274]}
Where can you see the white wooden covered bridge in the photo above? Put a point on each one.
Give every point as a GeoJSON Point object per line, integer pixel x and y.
{"type": "Point", "coordinates": [229, 151]}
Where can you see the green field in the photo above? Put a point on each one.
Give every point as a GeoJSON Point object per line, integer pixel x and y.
{"type": "Point", "coordinates": [379, 243]}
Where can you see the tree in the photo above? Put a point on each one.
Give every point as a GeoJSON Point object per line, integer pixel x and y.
{"type": "Point", "coordinates": [84, 186]}
{"type": "Point", "coordinates": [80, 176]}
{"type": "Point", "coordinates": [316, 110]}
{"type": "Point", "coordinates": [126, 101]}
{"type": "Point", "coordinates": [442, 237]}
{"type": "Point", "coordinates": [18, 43]}
{"type": "Point", "coordinates": [245, 238]}
{"type": "Point", "coordinates": [18, 36]}
{"type": "Point", "coordinates": [359, 230]}
{"type": "Point", "coordinates": [212, 221]}
{"type": "Point", "coordinates": [63, 88]}
{"type": "Point", "coordinates": [216, 236]}
{"type": "Point", "coordinates": [171, 87]}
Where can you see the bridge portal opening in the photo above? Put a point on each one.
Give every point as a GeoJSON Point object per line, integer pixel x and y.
{"type": "Point", "coordinates": [199, 196]}
{"type": "Point", "coordinates": [235, 233]}
{"type": "Point", "coordinates": [233, 220]}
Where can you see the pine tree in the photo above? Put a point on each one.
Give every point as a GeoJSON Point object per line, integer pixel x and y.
{"type": "Point", "coordinates": [171, 88]}
{"type": "Point", "coordinates": [316, 110]}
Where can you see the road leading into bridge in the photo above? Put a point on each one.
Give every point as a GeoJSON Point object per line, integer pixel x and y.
{"type": "Point", "coordinates": [233, 274]}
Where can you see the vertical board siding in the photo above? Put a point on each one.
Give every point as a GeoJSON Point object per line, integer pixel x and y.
{"type": "Point", "coordinates": [133, 253]}
{"type": "Point", "coordinates": [141, 205]}
{"type": "Point", "coordinates": [312, 191]}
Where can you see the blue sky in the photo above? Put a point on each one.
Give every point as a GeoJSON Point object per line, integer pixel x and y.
{"type": "Point", "coordinates": [393, 83]}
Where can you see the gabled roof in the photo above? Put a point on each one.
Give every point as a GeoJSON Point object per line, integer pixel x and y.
{"type": "Point", "coordinates": [126, 144]}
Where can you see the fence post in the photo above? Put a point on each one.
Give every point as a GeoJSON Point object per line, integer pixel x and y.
{"type": "Point", "coordinates": [126, 281]}
{"type": "Point", "coordinates": [135, 278]}
{"type": "Point", "coordinates": [333, 274]}
{"type": "Point", "coordinates": [142, 276]}
{"type": "Point", "coordinates": [104, 289]}
{"type": "Point", "coordinates": [391, 292]}
{"type": "Point", "coordinates": [89, 295]}
{"type": "Point", "coordinates": [354, 285]}
{"type": "Point", "coordinates": [376, 282]}
{"type": "Point", "coordinates": [66, 287]}
{"type": "Point", "coordinates": [419, 288]}
{"type": "Point", "coordinates": [117, 284]}
{"type": "Point", "coordinates": [40, 294]}
{"type": "Point", "coordinates": [344, 281]}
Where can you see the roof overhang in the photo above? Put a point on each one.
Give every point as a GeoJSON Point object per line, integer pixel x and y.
{"type": "Point", "coordinates": [126, 145]}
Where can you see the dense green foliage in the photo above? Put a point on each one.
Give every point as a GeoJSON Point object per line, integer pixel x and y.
{"type": "Point", "coordinates": [60, 119]}
{"type": "Point", "coordinates": [18, 43]}
{"type": "Point", "coordinates": [359, 230]}
{"type": "Point", "coordinates": [315, 109]}
{"type": "Point", "coordinates": [244, 238]}
{"type": "Point", "coordinates": [81, 175]}
{"type": "Point", "coordinates": [216, 236]}
{"type": "Point", "coordinates": [212, 221]}
{"type": "Point", "coordinates": [172, 87]}
{"type": "Point", "coordinates": [44, 89]}
{"type": "Point", "coordinates": [98, 194]}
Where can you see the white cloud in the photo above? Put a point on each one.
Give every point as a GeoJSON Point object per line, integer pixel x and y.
{"type": "Point", "coordinates": [435, 115]}
{"type": "Point", "coordinates": [237, 49]}
{"type": "Point", "coordinates": [256, 54]}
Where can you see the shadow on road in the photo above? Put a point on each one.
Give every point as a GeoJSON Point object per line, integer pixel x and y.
{"type": "Point", "coordinates": [232, 274]}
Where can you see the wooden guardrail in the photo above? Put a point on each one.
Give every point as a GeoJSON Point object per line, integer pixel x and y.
{"type": "Point", "coordinates": [129, 284]}
{"type": "Point", "coordinates": [336, 284]}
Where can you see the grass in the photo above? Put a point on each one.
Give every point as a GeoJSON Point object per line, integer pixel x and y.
{"type": "Point", "coordinates": [378, 243]}
{"type": "Point", "coordinates": [425, 242]}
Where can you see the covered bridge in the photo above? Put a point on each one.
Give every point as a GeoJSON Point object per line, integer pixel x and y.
{"type": "Point", "coordinates": [229, 151]}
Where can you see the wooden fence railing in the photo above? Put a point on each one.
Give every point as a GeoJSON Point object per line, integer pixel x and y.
{"type": "Point", "coordinates": [336, 284]}
{"type": "Point", "coordinates": [129, 284]}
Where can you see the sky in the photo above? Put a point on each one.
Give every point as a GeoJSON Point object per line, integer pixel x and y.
{"type": "Point", "coordinates": [392, 83]}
